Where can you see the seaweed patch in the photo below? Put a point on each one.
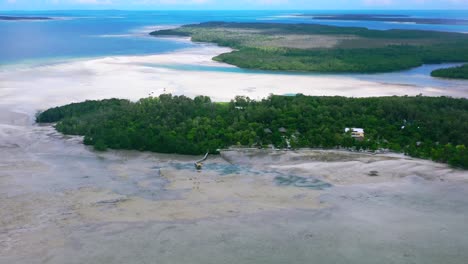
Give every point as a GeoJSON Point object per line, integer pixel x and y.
{"type": "Point", "coordinates": [221, 169]}
{"type": "Point", "coordinates": [311, 183]}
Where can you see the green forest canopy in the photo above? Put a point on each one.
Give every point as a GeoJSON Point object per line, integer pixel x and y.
{"type": "Point", "coordinates": [427, 127]}
{"type": "Point", "coordinates": [460, 72]}
{"type": "Point", "coordinates": [321, 48]}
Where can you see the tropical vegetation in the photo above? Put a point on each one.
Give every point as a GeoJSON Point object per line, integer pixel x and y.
{"type": "Point", "coordinates": [426, 127]}
{"type": "Point", "coordinates": [321, 48]}
{"type": "Point", "coordinates": [460, 72]}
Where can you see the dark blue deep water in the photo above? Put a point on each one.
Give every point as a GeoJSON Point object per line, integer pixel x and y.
{"type": "Point", "coordinates": [78, 34]}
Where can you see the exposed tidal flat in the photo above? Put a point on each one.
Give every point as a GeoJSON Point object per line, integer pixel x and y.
{"type": "Point", "coordinates": [61, 202]}
{"type": "Point", "coordinates": [135, 77]}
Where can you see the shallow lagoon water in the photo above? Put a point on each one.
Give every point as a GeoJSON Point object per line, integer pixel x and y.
{"type": "Point", "coordinates": [419, 76]}
{"type": "Point", "coordinates": [90, 34]}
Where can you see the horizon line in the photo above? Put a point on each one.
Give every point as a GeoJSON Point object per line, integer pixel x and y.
{"type": "Point", "coordinates": [150, 10]}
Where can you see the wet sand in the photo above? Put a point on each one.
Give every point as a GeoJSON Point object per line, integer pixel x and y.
{"type": "Point", "coordinates": [136, 77]}
{"type": "Point", "coordinates": [61, 202]}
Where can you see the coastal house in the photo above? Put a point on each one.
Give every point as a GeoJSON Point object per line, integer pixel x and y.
{"type": "Point", "coordinates": [356, 133]}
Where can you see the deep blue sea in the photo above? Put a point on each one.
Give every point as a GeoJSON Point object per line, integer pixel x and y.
{"type": "Point", "coordinates": [80, 34]}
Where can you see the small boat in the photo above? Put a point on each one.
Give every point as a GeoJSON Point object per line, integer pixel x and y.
{"type": "Point", "coordinates": [199, 163]}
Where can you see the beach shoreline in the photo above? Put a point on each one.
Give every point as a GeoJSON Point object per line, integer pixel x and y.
{"type": "Point", "coordinates": [135, 77]}
{"type": "Point", "coordinates": [60, 198]}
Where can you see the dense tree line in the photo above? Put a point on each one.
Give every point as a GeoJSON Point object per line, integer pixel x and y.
{"type": "Point", "coordinates": [391, 58]}
{"type": "Point", "coordinates": [425, 127]}
{"type": "Point", "coordinates": [381, 51]}
{"type": "Point", "coordinates": [460, 72]}
{"type": "Point", "coordinates": [318, 29]}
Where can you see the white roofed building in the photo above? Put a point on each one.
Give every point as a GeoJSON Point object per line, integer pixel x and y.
{"type": "Point", "coordinates": [357, 133]}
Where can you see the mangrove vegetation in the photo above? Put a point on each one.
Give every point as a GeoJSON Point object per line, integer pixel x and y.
{"type": "Point", "coordinates": [322, 48]}
{"type": "Point", "coordinates": [460, 72]}
{"type": "Point", "coordinates": [426, 127]}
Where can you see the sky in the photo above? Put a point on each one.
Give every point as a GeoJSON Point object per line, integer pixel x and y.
{"type": "Point", "coordinates": [231, 4]}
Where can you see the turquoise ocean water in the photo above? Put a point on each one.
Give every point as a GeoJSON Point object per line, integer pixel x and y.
{"type": "Point", "coordinates": [84, 34]}
{"type": "Point", "coordinates": [77, 34]}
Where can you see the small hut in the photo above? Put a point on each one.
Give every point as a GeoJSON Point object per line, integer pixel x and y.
{"type": "Point", "coordinates": [356, 133]}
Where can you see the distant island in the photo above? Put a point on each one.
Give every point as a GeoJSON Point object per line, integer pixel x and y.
{"type": "Point", "coordinates": [12, 18]}
{"type": "Point", "coordinates": [460, 72]}
{"type": "Point", "coordinates": [387, 18]}
{"type": "Point", "coordinates": [424, 127]}
{"type": "Point", "coordinates": [329, 49]}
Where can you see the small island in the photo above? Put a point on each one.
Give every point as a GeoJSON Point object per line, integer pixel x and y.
{"type": "Point", "coordinates": [424, 127]}
{"type": "Point", "coordinates": [19, 18]}
{"type": "Point", "coordinates": [387, 18]}
{"type": "Point", "coordinates": [321, 48]}
{"type": "Point", "coordinates": [460, 72]}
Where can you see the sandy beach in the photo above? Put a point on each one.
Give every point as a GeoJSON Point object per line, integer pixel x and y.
{"type": "Point", "coordinates": [62, 202]}
{"type": "Point", "coordinates": [133, 77]}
